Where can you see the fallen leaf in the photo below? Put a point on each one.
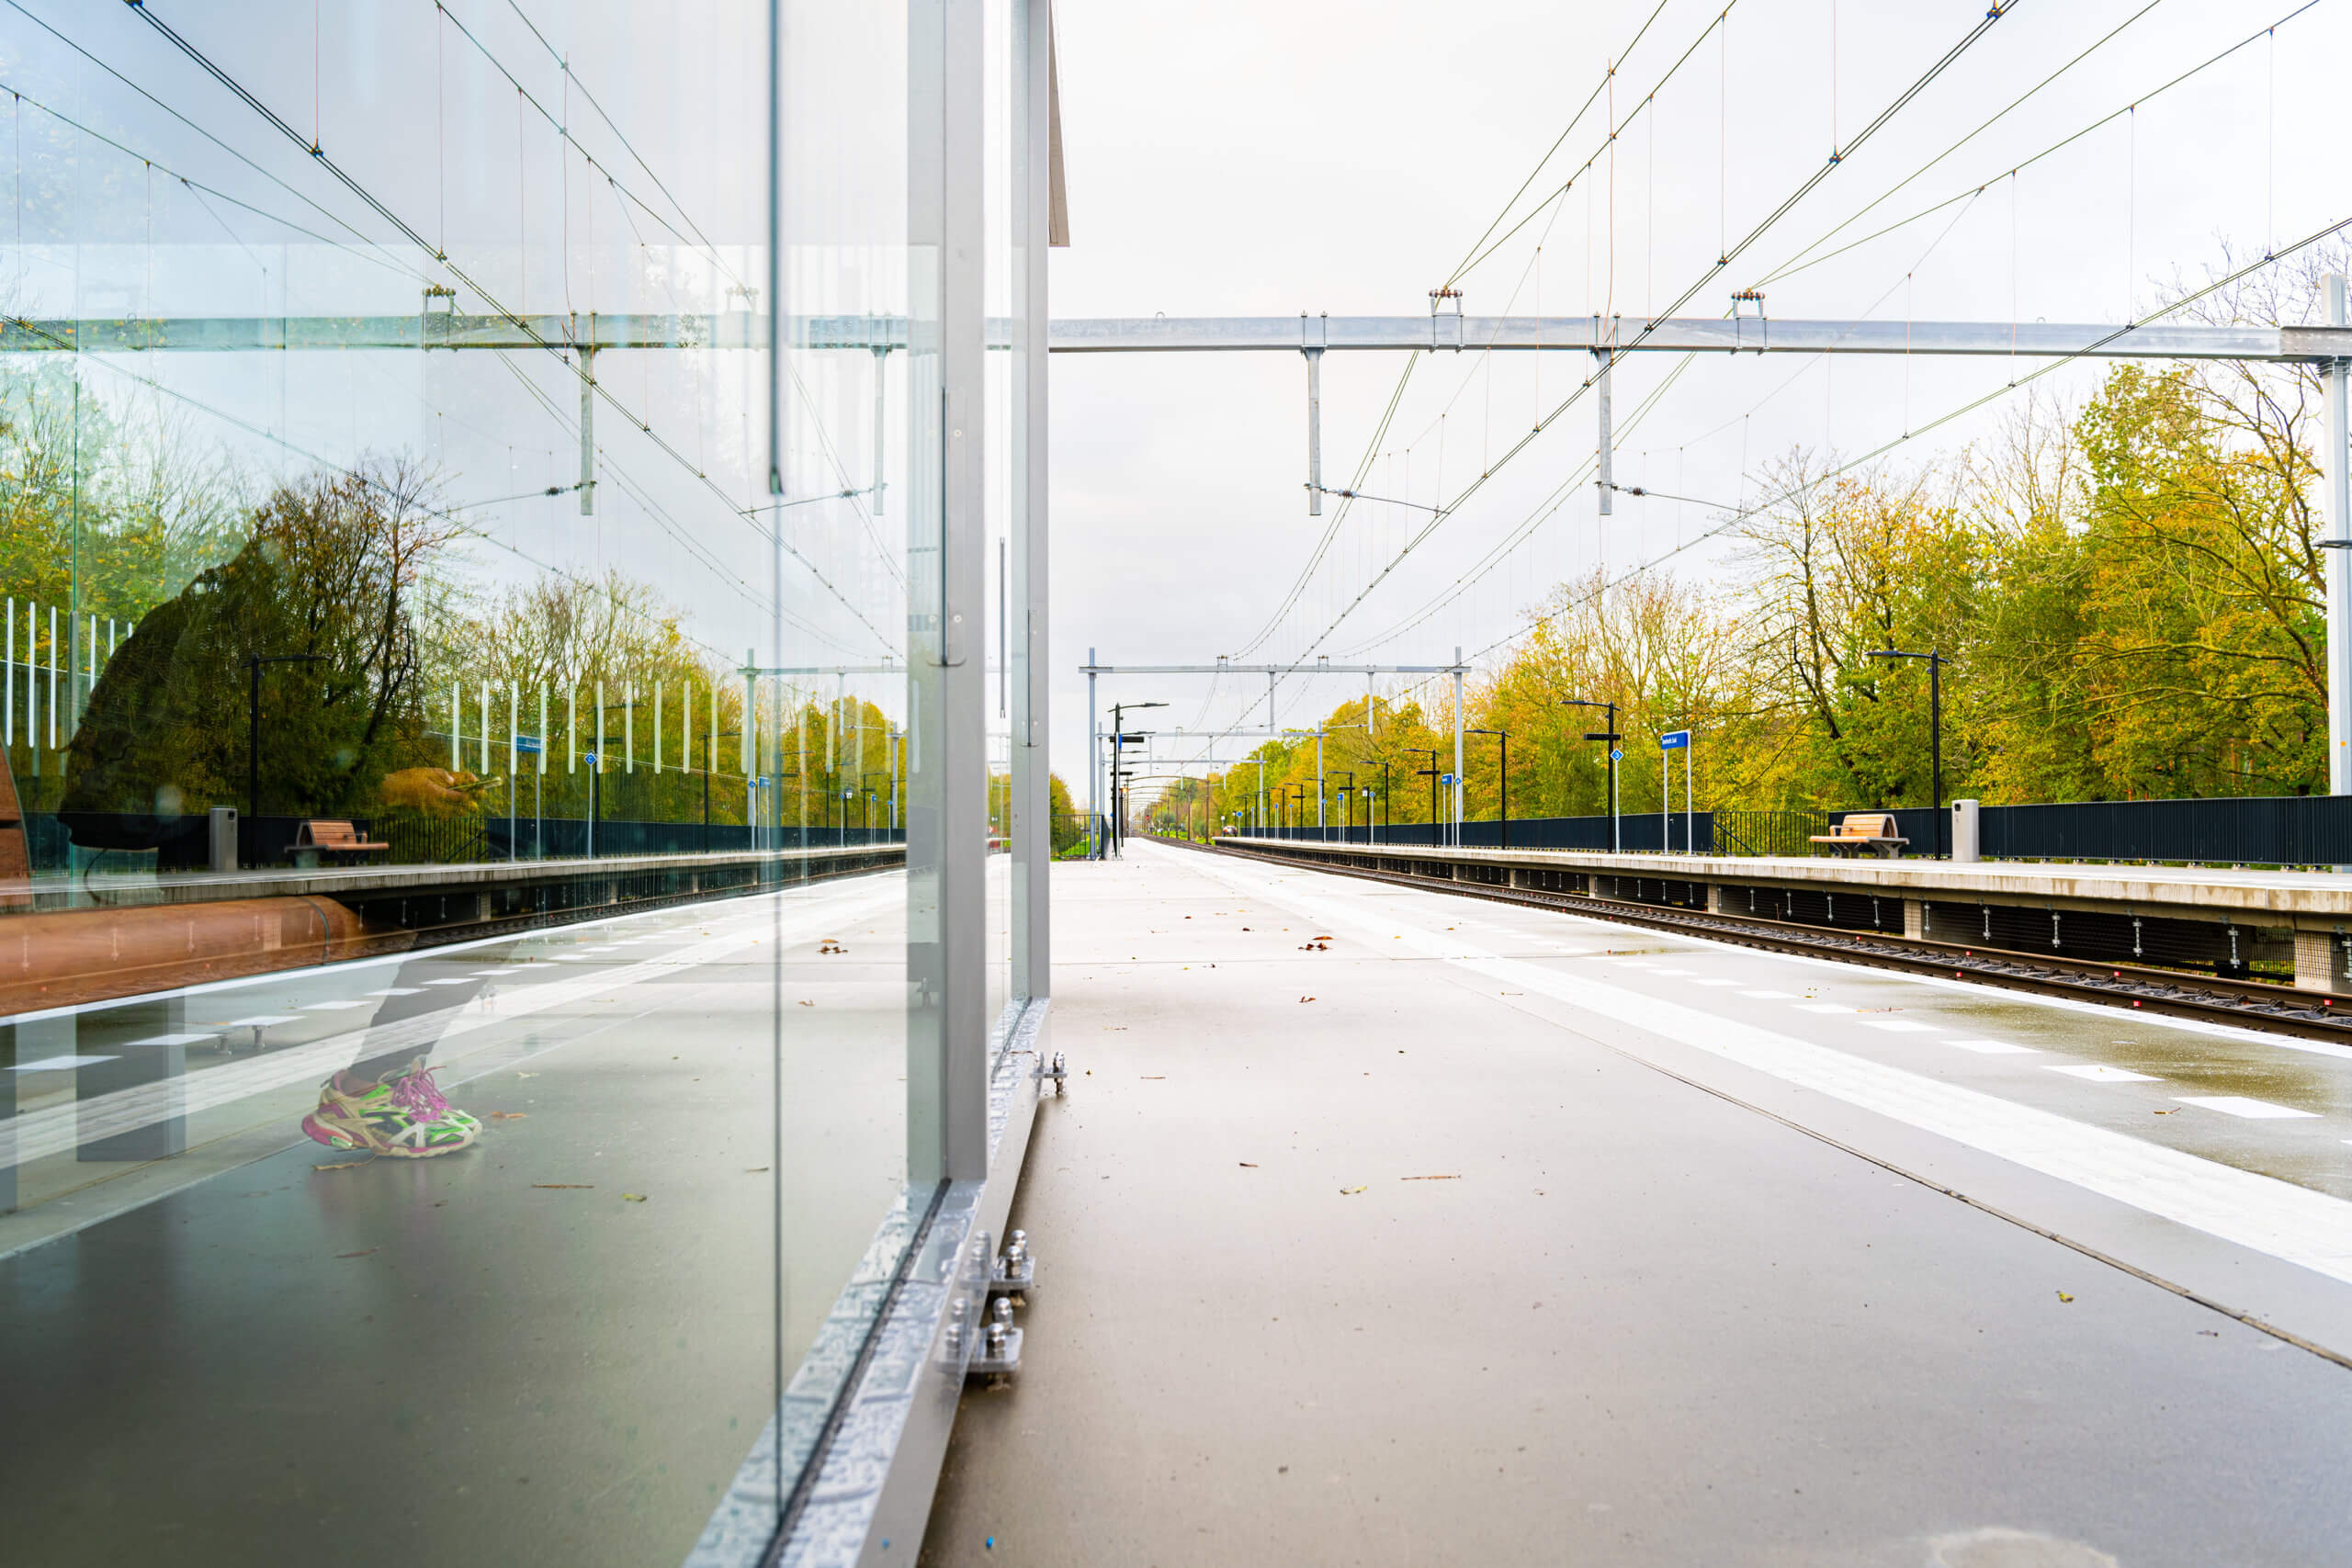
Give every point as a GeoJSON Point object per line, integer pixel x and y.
{"type": "Point", "coordinates": [632, 1197]}
{"type": "Point", "coordinates": [1307, 998]}
{"type": "Point", "coordinates": [1155, 1077]}
{"type": "Point", "coordinates": [508, 1115]}
{"type": "Point", "coordinates": [347, 1165]}
{"type": "Point", "coordinates": [807, 1004]}
{"type": "Point", "coordinates": [1248, 1165]}
{"type": "Point", "coordinates": [358, 1254]}
{"type": "Point", "coordinates": [527, 1074]}
{"type": "Point", "coordinates": [1350, 1191]}
{"type": "Point", "coordinates": [1429, 1178]}
{"type": "Point", "coordinates": [2064, 1297]}
{"type": "Point", "coordinates": [755, 1171]}
{"type": "Point", "coordinates": [563, 1186]}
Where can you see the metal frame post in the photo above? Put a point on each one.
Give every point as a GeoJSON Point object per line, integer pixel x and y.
{"type": "Point", "coordinates": [1457, 748]}
{"type": "Point", "coordinates": [1032, 806]}
{"type": "Point", "coordinates": [947, 762]}
{"type": "Point", "coordinates": [2335, 477]}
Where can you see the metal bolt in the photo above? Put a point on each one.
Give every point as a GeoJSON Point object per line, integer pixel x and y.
{"type": "Point", "coordinates": [1016, 1249]}
{"type": "Point", "coordinates": [998, 1340]}
{"type": "Point", "coordinates": [1002, 1311]}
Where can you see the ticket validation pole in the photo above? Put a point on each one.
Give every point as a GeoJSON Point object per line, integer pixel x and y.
{"type": "Point", "coordinates": [1675, 740]}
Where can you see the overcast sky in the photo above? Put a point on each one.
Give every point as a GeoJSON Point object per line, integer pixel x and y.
{"type": "Point", "coordinates": [1241, 159]}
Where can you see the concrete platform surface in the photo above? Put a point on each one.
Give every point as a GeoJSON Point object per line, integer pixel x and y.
{"type": "Point", "coordinates": [1477, 1234]}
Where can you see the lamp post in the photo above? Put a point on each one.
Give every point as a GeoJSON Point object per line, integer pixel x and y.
{"type": "Point", "coordinates": [1119, 738]}
{"type": "Point", "coordinates": [1386, 800]}
{"type": "Point", "coordinates": [1611, 738]}
{"type": "Point", "coordinates": [1504, 735]}
{"type": "Point", "coordinates": [1428, 773]}
{"type": "Point", "coordinates": [1936, 662]}
{"type": "Point", "coordinates": [1347, 816]}
{"type": "Point", "coordinates": [253, 724]}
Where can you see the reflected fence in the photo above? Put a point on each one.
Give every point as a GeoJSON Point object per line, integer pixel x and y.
{"type": "Point", "coordinates": [273, 841]}
{"type": "Point", "coordinates": [2255, 830]}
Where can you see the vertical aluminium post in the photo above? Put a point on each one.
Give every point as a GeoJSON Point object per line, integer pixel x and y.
{"type": "Point", "coordinates": [1032, 804]}
{"type": "Point", "coordinates": [1457, 748]}
{"type": "Point", "coordinates": [588, 429]}
{"type": "Point", "coordinates": [1318, 782]}
{"type": "Point", "coordinates": [1604, 466]}
{"type": "Point", "coordinates": [1314, 425]}
{"type": "Point", "coordinates": [947, 761]}
{"type": "Point", "coordinates": [1093, 766]}
{"type": "Point", "coordinates": [2335, 475]}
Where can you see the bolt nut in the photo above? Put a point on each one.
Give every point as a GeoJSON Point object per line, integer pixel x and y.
{"type": "Point", "coordinates": [999, 1341]}
{"type": "Point", "coordinates": [1002, 1309]}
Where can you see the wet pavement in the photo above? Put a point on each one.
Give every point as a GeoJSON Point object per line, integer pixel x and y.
{"type": "Point", "coordinates": [1471, 1233]}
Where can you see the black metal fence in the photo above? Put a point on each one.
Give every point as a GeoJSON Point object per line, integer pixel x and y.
{"type": "Point", "coordinates": [182, 843]}
{"type": "Point", "coordinates": [2246, 830]}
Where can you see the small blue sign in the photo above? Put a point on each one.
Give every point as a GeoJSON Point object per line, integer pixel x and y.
{"type": "Point", "coordinates": [1674, 740]}
{"type": "Point", "coordinates": [590, 757]}
{"type": "Point", "coordinates": [1616, 755]}
{"type": "Point", "coordinates": [529, 745]}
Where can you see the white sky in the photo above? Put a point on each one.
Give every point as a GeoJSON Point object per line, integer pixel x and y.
{"type": "Point", "coordinates": [1241, 159]}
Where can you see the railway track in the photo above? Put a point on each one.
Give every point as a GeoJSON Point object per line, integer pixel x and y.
{"type": "Point", "coordinates": [2250, 1004]}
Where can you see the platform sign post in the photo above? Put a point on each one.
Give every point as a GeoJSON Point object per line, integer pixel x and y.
{"type": "Point", "coordinates": [1674, 740]}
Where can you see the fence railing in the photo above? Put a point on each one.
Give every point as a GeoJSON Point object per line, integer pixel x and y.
{"type": "Point", "coordinates": [2291, 830]}
{"type": "Point", "coordinates": [133, 843]}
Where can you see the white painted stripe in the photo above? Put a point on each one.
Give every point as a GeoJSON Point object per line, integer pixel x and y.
{"type": "Point", "coordinates": [1824, 1007]}
{"type": "Point", "coordinates": [392, 991]}
{"type": "Point", "coordinates": [1717, 982]}
{"type": "Point", "coordinates": [61, 1063]}
{"type": "Point", "coordinates": [1901, 1025]}
{"type": "Point", "coordinates": [2101, 1073]}
{"type": "Point", "coordinates": [2252, 1110]}
{"type": "Point", "coordinates": [261, 1020]}
{"type": "Point", "coordinates": [481, 972]}
{"type": "Point", "coordinates": [174, 1039]}
{"type": "Point", "coordinates": [1994, 1047]}
{"type": "Point", "coordinates": [334, 1006]}
{"type": "Point", "coordinates": [452, 981]}
{"type": "Point", "coordinates": [2304, 1227]}
{"type": "Point", "coordinates": [1770, 995]}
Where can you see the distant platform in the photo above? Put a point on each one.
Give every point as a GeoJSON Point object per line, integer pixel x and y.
{"type": "Point", "coordinates": [2194, 915]}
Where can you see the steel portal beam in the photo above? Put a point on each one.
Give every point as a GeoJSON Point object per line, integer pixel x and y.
{"type": "Point", "coordinates": [435, 328]}
{"type": "Point", "coordinates": [1318, 668]}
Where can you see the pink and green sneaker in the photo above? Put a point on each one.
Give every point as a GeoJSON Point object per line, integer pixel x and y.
{"type": "Point", "coordinates": [404, 1115]}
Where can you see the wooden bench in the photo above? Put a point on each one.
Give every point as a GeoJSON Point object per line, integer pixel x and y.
{"type": "Point", "coordinates": [1860, 830]}
{"type": "Point", "coordinates": [324, 836]}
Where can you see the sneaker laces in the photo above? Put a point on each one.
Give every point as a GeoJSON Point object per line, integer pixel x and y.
{"type": "Point", "coordinates": [414, 1091]}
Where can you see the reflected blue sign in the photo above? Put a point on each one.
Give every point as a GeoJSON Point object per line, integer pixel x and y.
{"type": "Point", "coordinates": [1674, 740]}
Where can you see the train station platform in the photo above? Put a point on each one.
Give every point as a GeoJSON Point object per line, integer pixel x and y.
{"type": "Point", "coordinates": [2299, 922]}
{"type": "Point", "coordinates": [1381, 1225]}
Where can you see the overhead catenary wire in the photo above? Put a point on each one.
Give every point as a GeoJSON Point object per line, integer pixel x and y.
{"type": "Point", "coordinates": [596, 389]}
{"type": "Point", "coordinates": [1877, 123]}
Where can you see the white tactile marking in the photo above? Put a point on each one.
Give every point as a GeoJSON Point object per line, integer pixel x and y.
{"type": "Point", "coordinates": [2102, 1073]}
{"type": "Point", "coordinates": [173, 1040]}
{"type": "Point", "coordinates": [1994, 1047]}
{"type": "Point", "coordinates": [332, 1007]}
{"type": "Point", "coordinates": [1824, 1007]}
{"type": "Point", "coordinates": [59, 1064]}
{"type": "Point", "coordinates": [2310, 1229]}
{"type": "Point", "coordinates": [2252, 1110]}
{"type": "Point", "coordinates": [261, 1020]}
{"type": "Point", "coordinates": [1770, 995]}
{"type": "Point", "coordinates": [1901, 1025]}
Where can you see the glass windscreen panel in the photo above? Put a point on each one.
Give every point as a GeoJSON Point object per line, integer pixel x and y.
{"type": "Point", "coordinates": [452, 941]}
